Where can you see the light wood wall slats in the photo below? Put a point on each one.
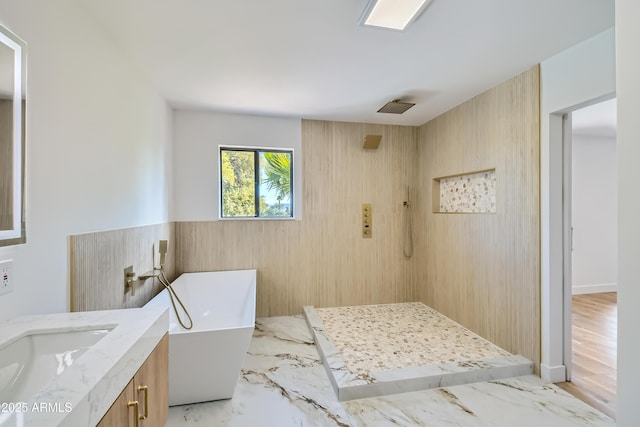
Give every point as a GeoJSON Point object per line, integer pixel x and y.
{"type": "Point", "coordinates": [97, 262]}
{"type": "Point", "coordinates": [322, 260]}
{"type": "Point", "coordinates": [483, 270]}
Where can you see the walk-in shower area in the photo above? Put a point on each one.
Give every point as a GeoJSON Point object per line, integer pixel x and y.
{"type": "Point", "coordinates": [375, 350]}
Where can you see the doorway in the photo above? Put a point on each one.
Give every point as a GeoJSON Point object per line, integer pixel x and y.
{"type": "Point", "coordinates": [590, 253]}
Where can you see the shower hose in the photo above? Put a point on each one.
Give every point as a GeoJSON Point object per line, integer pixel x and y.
{"type": "Point", "coordinates": [172, 294]}
{"type": "Point", "coordinates": [407, 244]}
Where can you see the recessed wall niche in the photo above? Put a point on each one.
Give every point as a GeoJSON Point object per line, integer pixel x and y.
{"type": "Point", "coordinates": [471, 192]}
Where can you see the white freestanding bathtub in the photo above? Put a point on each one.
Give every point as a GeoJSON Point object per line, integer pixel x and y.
{"type": "Point", "coordinates": [205, 362]}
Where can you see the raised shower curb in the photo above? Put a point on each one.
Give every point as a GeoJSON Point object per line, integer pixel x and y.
{"type": "Point", "coordinates": [349, 386]}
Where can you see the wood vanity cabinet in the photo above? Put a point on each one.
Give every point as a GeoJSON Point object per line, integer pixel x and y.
{"type": "Point", "coordinates": [151, 379]}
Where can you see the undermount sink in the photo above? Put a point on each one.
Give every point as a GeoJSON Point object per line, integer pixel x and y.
{"type": "Point", "coordinates": [66, 369]}
{"type": "Point", "coordinates": [35, 359]}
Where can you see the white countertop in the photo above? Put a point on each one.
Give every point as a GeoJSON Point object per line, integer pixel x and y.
{"type": "Point", "coordinates": [82, 394]}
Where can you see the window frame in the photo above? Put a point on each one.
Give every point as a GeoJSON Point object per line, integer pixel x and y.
{"type": "Point", "coordinates": [256, 158]}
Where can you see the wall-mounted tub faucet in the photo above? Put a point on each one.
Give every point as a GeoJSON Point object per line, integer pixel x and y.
{"type": "Point", "coordinates": [147, 275]}
{"type": "Point", "coordinates": [130, 280]}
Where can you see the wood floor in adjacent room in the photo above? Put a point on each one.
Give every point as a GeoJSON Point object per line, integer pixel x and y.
{"type": "Point", "coordinates": [594, 341]}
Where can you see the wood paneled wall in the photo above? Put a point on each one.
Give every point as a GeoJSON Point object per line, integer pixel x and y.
{"type": "Point", "coordinates": [323, 260]}
{"type": "Point", "coordinates": [483, 270]}
{"type": "Point", "coordinates": [97, 263]}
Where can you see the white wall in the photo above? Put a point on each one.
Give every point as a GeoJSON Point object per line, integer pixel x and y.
{"type": "Point", "coordinates": [594, 214]}
{"type": "Point", "coordinates": [568, 81]}
{"type": "Point", "coordinates": [628, 70]}
{"type": "Point", "coordinates": [98, 147]}
{"type": "Point", "coordinates": [197, 136]}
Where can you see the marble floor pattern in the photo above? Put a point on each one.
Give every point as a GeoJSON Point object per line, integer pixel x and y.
{"type": "Point", "coordinates": [283, 383]}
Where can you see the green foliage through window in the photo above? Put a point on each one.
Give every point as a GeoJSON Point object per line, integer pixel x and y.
{"type": "Point", "coordinates": [256, 183]}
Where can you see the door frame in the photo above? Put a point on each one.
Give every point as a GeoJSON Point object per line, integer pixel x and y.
{"type": "Point", "coordinates": [560, 133]}
{"type": "Point", "coordinates": [567, 245]}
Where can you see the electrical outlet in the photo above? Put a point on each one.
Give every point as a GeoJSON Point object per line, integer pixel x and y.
{"type": "Point", "coordinates": [6, 276]}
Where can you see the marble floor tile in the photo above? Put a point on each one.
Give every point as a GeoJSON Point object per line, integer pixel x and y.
{"type": "Point", "coordinates": [523, 402]}
{"type": "Point", "coordinates": [283, 383]}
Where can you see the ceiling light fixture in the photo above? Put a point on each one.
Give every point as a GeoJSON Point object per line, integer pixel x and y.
{"type": "Point", "coordinates": [393, 14]}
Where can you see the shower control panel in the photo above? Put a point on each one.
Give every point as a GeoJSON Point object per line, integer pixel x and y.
{"type": "Point", "coordinates": [366, 220]}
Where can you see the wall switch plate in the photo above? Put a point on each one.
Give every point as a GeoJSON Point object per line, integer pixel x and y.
{"type": "Point", "coordinates": [6, 276]}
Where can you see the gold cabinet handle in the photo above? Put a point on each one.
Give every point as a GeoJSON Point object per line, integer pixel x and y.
{"type": "Point", "coordinates": [137, 417]}
{"type": "Point", "coordinates": [146, 401]}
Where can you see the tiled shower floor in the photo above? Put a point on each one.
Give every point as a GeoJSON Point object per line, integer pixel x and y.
{"type": "Point", "coordinates": [384, 349]}
{"type": "Point", "coordinates": [393, 336]}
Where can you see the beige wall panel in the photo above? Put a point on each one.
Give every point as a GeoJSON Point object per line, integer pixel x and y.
{"type": "Point", "coordinates": [482, 270]}
{"type": "Point", "coordinates": [97, 262]}
{"type": "Point", "coordinates": [323, 260]}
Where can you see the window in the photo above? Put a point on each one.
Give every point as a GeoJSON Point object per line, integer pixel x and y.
{"type": "Point", "coordinates": [256, 183]}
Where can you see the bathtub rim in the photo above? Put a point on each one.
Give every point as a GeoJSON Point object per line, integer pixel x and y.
{"type": "Point", "coordinates": [180, 330]}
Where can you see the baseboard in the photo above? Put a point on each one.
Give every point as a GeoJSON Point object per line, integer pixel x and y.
{"type": "Point", "coordinates": [553, 374]}
{"type": "Point", "coordinates": [594, 289]}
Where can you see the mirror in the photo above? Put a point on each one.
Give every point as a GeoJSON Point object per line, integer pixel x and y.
{"type": "Point", "coordinates": [12, 137]}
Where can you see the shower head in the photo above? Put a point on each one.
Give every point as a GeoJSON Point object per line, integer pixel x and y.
{"type": "Point", "coordinates": [371, 142]}
{"type": "Point", "coordinates": [395, 107]}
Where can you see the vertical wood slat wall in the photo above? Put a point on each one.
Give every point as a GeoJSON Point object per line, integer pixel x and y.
{"type": "Point", "coordinates": [97, 261]}
{"type": "Point", "coordinates": [483, 270]}
{"type": "Point", "coordinates": [323, 260]}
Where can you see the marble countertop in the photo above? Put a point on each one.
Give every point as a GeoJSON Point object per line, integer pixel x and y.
{"type": "Point", "coordinates": [82, 394]}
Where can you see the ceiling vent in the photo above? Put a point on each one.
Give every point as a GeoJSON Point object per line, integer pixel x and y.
{"type": "Point", "coordinates": [395, 107]}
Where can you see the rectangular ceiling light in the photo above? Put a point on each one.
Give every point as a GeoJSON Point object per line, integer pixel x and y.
{"type": "Point", "coordinates": [393, 14]}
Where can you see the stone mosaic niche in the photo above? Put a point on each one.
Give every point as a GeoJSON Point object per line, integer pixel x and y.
{"type": "Point", "coordinates": [468, 193]}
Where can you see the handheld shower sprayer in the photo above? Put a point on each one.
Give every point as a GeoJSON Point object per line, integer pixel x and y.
{"type": "Point", "coordinates": [173, 296]}
{"type": "Point", "coordinates": [158, 272]}
{"type": "Point", "coordinates": [162, 249]}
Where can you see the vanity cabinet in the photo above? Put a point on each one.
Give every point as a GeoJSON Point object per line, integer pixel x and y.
{"type": "Point", "coordinates": [145, 400]}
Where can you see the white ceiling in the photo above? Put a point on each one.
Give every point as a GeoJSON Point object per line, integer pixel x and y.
{"type": "Point", "coordinates": [311, 59]}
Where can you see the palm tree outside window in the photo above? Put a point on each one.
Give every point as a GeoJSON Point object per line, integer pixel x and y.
{"type": "Point", "coordinates": [256, 183]}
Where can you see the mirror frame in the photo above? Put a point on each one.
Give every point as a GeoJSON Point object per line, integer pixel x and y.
{"type": "Point", "coordinates": [17, 234]}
